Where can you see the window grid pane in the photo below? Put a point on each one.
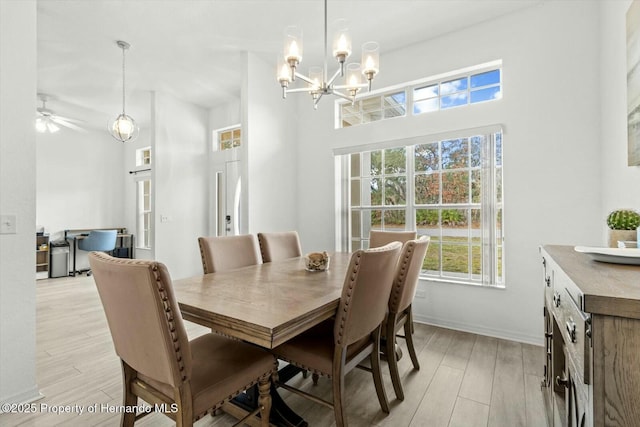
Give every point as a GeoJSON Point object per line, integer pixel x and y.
{"type": "Point", "coordinates": [373, 108]}
{"type": "Point", "coordinates": [425, 97]}
{"type": "Point", "coordinates": [378, 193]}
{"type": "Point", "coordinates": [145, 213]}
{"type": "Point", "coordinates": [229, 139]}
{"type": "Point", "coordinates": [456, 200]}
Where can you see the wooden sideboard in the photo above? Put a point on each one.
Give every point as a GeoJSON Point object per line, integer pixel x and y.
{"type": "Point", "coordinates": [592, 335]}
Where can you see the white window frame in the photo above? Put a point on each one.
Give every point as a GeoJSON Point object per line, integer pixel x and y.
{"type": "Point", "coordinates": [489, 204]}
{"type": "Point", "coordinates": [144, 165]}
{"type": "Point", "coordinates": [218, 134]}
{"type": "Point", "coordinates": [145, 236]}
{"type": "Point", "coordinates": [409, 88]}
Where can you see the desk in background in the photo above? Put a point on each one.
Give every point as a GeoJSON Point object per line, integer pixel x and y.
{"type": "Point", "coordinates": [122, 250]}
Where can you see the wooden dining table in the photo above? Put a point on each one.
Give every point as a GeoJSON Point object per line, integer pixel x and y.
{"type": "Point", "coordinates": [265, 304]}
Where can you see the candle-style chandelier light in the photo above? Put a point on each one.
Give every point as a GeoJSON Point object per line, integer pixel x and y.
{"type": "Point", "coordinates": [318, 82]}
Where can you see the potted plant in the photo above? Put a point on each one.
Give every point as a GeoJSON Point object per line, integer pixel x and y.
{"type": "Point", "coordinates": [623, 224]}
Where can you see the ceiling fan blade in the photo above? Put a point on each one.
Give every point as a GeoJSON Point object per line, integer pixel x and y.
{"type": "Point", "coordinates": [68, 119]}
{"type": "Point", "coordinates": [65, 123]}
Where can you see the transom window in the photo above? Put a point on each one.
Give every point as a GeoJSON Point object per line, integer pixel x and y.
{"type": "Point", "coordinates": [229, 138]}
{"type": "Point", "coordinates": [457, 89]}
{"type": "Point", "coordinates": [449, 189]}
{"type": "Point", "coordinates": [469, 89]}
{"type": "Point", "coordinates": [374, 108]}
{"type": "Point", "coordinates": [143, 156]}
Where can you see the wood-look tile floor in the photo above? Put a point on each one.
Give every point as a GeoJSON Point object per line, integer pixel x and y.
{"type": "Point", "coordinates": [464, 379]}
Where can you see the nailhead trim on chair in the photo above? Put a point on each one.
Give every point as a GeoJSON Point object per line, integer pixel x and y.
{"type": "Point", "coordinates": [262, 251]}
{"type": "Point", "coordinates": [352, 278]}
{"type": "Point", "coordinates": [232, 395]}
{"type": "Point", "coordinates": [397, 285]}
{"type": "Point", "coordinates": [170, 319]}
{"type": "Point", "coordinates": [302, 366]}
{"type": "Point", "coordinates": [204, 261]}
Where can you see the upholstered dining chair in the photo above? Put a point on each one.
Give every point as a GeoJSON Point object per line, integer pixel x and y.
{"type": "Point", "coordinates": [98, 240]}
{"type": "Point", "coordinates": [379, 238]}
{"type": "Point", "coordinates": [336, 346]}
{"type": "Point", "coordinates": [220, 253]}
{"type": "Point", "coordinates": [399, 314]}
{"type": "Point", "coordinates": [278, 246]}
{"type": "Point", "coordinates": [159, 364]}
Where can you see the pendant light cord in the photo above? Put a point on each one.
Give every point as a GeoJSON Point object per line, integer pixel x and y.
{"type": "Point", "coordinates": [123, 81]}
{"type": "Point", "coordinates": [326, 77]}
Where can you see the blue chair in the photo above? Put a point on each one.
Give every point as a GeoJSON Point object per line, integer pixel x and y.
{"type": "Point", "coordinates": [98, 240]}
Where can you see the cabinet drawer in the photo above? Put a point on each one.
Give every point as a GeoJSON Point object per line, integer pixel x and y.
{"type": "Point", "coordinates": [574, 324]}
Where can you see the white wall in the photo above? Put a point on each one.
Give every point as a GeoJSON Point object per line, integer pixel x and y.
{"type": "Point", "coordinates": [79, 182]}
{"type": "Point", "coordinates": [271, 167]}
{"type": "Point", "coordinates": [620, 183]}
{"type": "Point", "coordinates": [225, 115]}
{"type": "Point", "coordinates": [180, 173]}
{"type": "Point", "coordinates": [17, 197]}
{"type": "Point", "coordinates": [551, 153]}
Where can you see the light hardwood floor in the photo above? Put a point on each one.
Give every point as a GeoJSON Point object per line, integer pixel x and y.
{"type": "Point", "coordinates": [464, 380]}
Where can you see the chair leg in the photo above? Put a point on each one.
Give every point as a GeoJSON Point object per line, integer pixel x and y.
{"type": "Point", "coordinates": [392, 360]}
{"type": "Point", "coordinates": [184, 417]}
{"type": "Point", "coordinates": [128, 398]}
{"type": "Point", "coordinates": [408, 333]}
{"type": "Point", "coordinates": [377, 372]}
{"type": "Point", "coordinates": [337, 382]}
{"type": "Point", "coordinates": [264, 400]}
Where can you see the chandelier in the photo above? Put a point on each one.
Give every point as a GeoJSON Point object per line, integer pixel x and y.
{"type": "Point", "coordinates": [123, 128]}
{"type": "Point", "coordinates": [318, 82]}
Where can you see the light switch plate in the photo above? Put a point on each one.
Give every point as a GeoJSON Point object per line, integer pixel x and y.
{"type": "Point", "coordinates": [7, 224]}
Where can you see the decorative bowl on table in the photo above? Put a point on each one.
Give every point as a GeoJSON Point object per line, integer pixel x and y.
{"type": "Point", "coordinates": [316, 261]}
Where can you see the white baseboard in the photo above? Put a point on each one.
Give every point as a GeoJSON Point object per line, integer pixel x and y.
{"type": "Point", "coordinates": [481, 330]}
{"type": "Point", "coordinates": [28, 396]}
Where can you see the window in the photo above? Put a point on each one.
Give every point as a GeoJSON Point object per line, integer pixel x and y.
{"type": "Point", "coordinates": [143, 156]}
{"type": "Point", "coordinates": [480, 84]}
{"type": "Point", "coordinates": [468, 89]}
{"type": "Point", "coordinates": [449, 189]}
{"type": "Point", "coordinates": [229, 138]}
{"type": "Point", "coordinates": [144, 217]}
{"type": "Point", "coordinates": [144, 213]}
{"type": "Point", "coordinates": [373, 108]}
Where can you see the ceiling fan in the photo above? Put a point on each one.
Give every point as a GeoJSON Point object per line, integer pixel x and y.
{"type": "Point", "coordinates": [48, 121]}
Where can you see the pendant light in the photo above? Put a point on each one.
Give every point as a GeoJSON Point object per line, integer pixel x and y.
{"type": "Point", "coordinates": [123, 128]}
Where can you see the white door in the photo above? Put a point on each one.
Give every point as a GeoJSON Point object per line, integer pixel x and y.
{"type": "Point", "coordinates": [228, 196]}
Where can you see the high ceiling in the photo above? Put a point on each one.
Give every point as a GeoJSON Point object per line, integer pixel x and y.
{"type": "Point", "coordinates": [192, 48]}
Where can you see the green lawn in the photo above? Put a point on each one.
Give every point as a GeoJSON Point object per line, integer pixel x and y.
{"type": "Point", "coordinates": [455, 256]}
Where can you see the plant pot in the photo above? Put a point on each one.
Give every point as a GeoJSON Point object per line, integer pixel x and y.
{"type": "Point", "coordinates": [621, 235]}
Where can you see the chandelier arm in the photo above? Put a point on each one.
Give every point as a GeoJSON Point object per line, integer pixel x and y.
{"type": "Point", "coordinates": [305, 78]}
{"type": "Point", "coordinates": [334, 77]}
{"type": "Point", "coordinates": [360, 85]}
{"type": "Point", "coordinates": [315, 101]}
{"type": "Point", "coordinates": [299, 89]}
{"type": "Point", "coordinates": [343, 96]}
